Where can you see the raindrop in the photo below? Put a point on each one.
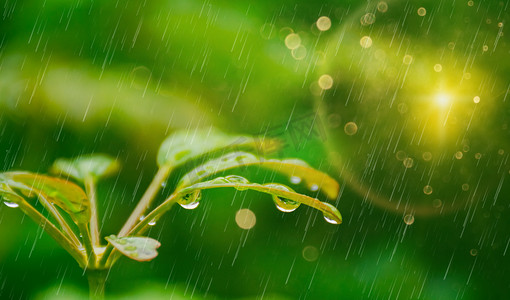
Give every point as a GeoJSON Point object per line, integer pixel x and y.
{"type": "Point", "coordinates": [350, 128]}
{"type": "Point", "coordinates": [408, 162]}
{"type": "Point", "coordinates": [153, 222]}
{"type": "Point", "coordinates": [408, 59]}
{"type": "Point", "coordinates": [427, 190]}
{"type": "Point", "coordinates": [325, 82]}
{"type": "Point", "coordinates": [310, 253]}
{"type": "Point", "coordinates": [313, 187]}
{"type": "Point", "coordinates": [330, 220]}
{"type": "Point", "coordinates": [427, 156]}
{"type": "Point", "coordinates": [285, 205]}
{"type": "Point", "coordinates": [401, 155]}
{"type": "Point", "coordinates": [367, 19]}
{"type": "Point", "coordinates": [299, 53]}
{"type": "Point", "coordinates": [295, 179]}
{"type": "Point", "coordinates": [334, 217]}
{"type": "Point", "coordinates": [365, 42]}
{"type": "Point", "coordinates": [191, 205]}
{"type": "Point", "coordinates": [382, 6]}
{"type": "Point", "coordinates": [11, 204]}
{"type": "Point", "coordinates": [437, 203]}
{"type": "Point", "coordinates": [323, 23]}
{"type": "Point", "coordinates": [292, 41]}
{"type": "Point", "coordinates": [409, 219]}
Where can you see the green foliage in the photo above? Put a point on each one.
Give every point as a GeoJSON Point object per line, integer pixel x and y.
{"type": "Point", "coordinates": [135, 247]}
{"type": "Point", "coordinates": [96, 166]}
{"type": "Point", "coordinates": [20, 188]}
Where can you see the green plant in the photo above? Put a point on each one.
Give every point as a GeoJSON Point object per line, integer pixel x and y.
{"type": "Point", "coordinates": [69, 214]}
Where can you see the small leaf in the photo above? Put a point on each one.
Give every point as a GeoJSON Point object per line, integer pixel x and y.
{"type": "Point", "coordinates": [183, 146]}
{"type": "Point", "coordinates": [294, 168]}
{"type": "Point", "coordinates": [65, 194]}
{"type": "Point", "coordinates": [96, 166]}
{"type": "Point", "coordinates": [285, 196]}
{"type": "Point", "coordinates": [135, 247]}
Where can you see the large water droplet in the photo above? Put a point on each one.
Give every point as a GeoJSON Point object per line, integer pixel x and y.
{"type": "Point", "coordinates": [285, 205]}
{"type": "Point", "coordinates": [11, 204]}
{"type": "Point", "coordinates": [237, 180]}
{"type": "Point", "coordinates": [191, 205]}
{"type": "Point", "coordinates": [295, 179]}
{"type": "Point", "coordinates": [332, 215]}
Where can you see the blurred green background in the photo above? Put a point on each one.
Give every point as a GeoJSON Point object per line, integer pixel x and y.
{"type": "Point", "coordinates": [409, 109]}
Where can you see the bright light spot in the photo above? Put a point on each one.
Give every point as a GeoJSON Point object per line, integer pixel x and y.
{"type": "Point", "coordinates": [292, 41]}
{"type": "Point", "coordinates": [325, 82]}
{"type": "Point", "coordinates": [245, 218]}
{"type": "Point", "coordinates": [299, 53]}
{"type": "Point", "coordinates": [438, 68]}
{"type": "Point", "coordinates": [408, 59]}
{"type": "Point", "coordinates": [442, 100]}
{"type": "Point", "coordinates": [365, 42]}
{"type": "Point", "coordinates": [323, 23]}
{"type": "Point", "coordinates": [476, 99]}
{"type": "Point", "coordinates": [422, 11]}
{"type": "Point", "coordinates": [382, 6]}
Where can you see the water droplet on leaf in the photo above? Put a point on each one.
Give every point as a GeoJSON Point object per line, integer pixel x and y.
{"type": "Point", "coordinates": [11, 204]}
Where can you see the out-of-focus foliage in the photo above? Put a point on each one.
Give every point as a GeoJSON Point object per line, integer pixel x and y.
{"type": "Point", "coordinates": [415, 124]}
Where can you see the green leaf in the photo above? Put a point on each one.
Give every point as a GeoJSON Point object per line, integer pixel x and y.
{"type": "Point", "coordinates": [96, 166]}
{"type": "Point", "coordinates": [286, 199]}
{"type": "Point", "coordinates": [297, 170]}
{"type": "Point", "coordinates": [63, 193]}
{"type": "Point", "coordinates": [183, 146]}
{"type": "Point", "coordinates": [135, 247]}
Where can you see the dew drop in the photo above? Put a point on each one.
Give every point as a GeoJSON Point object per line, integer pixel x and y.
{"type": "Point", "coordinates": [329, 220]}
{"type": "Point", "coordinates": [409, 219]}
{"type": "Point", "coordinates": [191, 205]}
{"type": "Point", "coordinates": [295, 179]}
{"type": "Point", "coordinates": [333, 216]}
{"type": "Point", "coordinates": [313, 187]}
{"type": "Point", "coordinates": [427, 190]}
{"type": "Point", "coordinates": [11, 204]}
{"type": "Point", "coordinates": [323, 23]}
{"type": "Point", "coordinates": [351, 128]}
{"type": "Point", "coordinates": [152, 223]}
{"type": "Point", "coordinates": [285, 205]}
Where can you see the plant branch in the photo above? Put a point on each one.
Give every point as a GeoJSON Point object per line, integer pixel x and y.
{"type": "Point", "coordinates": [54, 212]}
{"type": "Point", "coordinates": [87, 243]}
{"type": "Point", "coordinates": [53, 231]}
{"type": "Point", "coordinates": [146, 200]}
{"type": "Point", "coordinates": [90, 187]}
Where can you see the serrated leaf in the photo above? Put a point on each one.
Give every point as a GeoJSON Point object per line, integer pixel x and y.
{"type": "Point", "coordinates": [294, 168]}
{"type": "Point", "coordinates": [135, 247]}
{"type": "Point", "coordinates": [283, 192]}
{"type": "Point", "coordinates": [183, 146]}
{"type": "Point", "coordinates": [63, 193]}
{"type": "Point", "coordinates": [96, 166]}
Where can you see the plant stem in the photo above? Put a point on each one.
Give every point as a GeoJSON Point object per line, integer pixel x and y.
{"type": "Point", "coordinates": [147, 198]}
{"type": "Point", "coordinates": [90, 187]}
{"type": "Point", "coordinates": [97, 281]}
{"type": "Point", "coordinates": [87, 242]}
{"type": "Point", "coordinates": [53, 231]}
